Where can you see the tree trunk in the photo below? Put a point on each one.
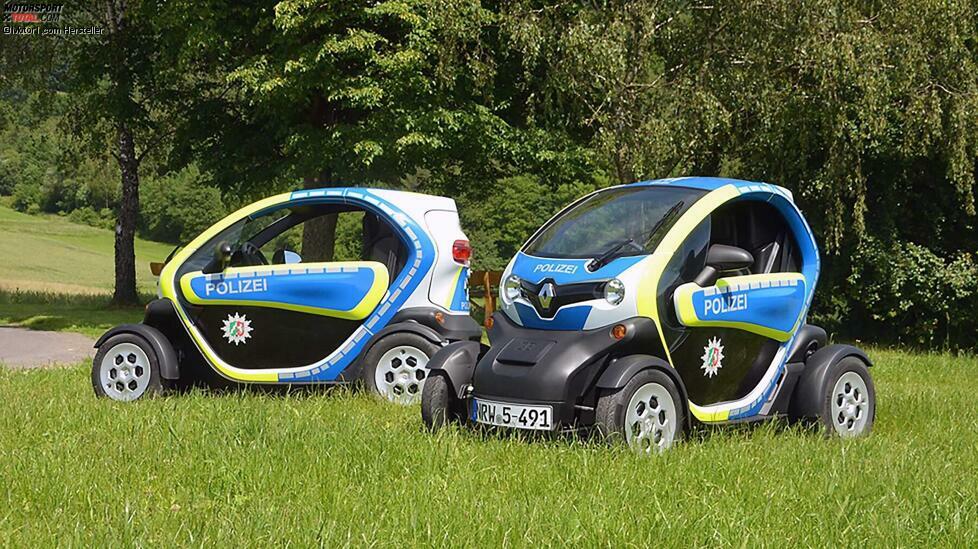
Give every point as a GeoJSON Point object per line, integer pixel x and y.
{"type": "Point", "coordinates": [125, 227]}
{"type": "Point", "coordinates": [318, 234]}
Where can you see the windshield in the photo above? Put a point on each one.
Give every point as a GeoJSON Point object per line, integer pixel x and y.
{"type": "Point", "coordinates": [609, 218]}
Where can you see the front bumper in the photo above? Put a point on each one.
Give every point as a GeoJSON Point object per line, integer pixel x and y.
{"type": "Point", "coordinates": [554, 368]}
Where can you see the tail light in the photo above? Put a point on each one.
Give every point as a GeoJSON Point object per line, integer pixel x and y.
{"type": "Point", "coordinates": [461, 251]}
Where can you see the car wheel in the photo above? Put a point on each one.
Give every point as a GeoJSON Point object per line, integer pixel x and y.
{"type": "Point", "coordinates": [396, 367]}
{"type": "Point", "coordinates": [126, 368]}
{"type": "Point", "coordinates": [439, 405]}
{"type": "Point", "coordinates": [849, 399]}
{"type": "Point", "coordinates": [647, 413]}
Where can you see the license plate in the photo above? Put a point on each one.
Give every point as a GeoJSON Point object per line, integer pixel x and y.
{"type": "Point", "coordinates": [504, 414]}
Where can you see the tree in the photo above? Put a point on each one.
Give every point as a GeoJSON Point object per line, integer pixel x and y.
{"type": "Point", "coordinates": [599, 71]}
{"type": "Point", "coordinates": [336, 92]}
{"type": "Point", "coordinates": [118, 84]}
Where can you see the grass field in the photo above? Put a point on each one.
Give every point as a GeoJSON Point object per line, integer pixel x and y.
{"type": "Point", "coordinates": [341, 468]}
{"type": "Point", "coordinates": [86, 314]}
{"type": "Point", "coordinates": [58, 275]}
{"type": "Point", "coordinates": [48, 253]}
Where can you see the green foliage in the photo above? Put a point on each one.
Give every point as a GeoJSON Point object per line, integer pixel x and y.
{"type": "Point", "coordinates": [337, 92]}
{"type": "Point", "coordinates": [349, 237]}
{"type": "Point", "coordinates": [27, 197]}
{"type": "Point", "coordinates": [867, 111]}
{"type": "Point", "coordinates": [86, 215]}
{"type": "Point", "coordinates": [498, 224]}
{"type": "Point", "coordinates": [347, 243]}
{"type": "Point", "coordinates": [904, 292]}
{"type": "Point", "coordinates": [47, 169]}
{"type": "Point", "coordinates": [178, 207]}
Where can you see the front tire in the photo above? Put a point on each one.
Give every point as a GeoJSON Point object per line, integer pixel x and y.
{"type": "Point", "coordinates": [126, 368]}
{"type": "Point", "coordinates": [648, 413]}
{"type": "Point", "coordinates": [396, 367]}
{"type": "Point", "coordinates": [439, 405]}
{"type": "Point", "coordinates": [848, 399]}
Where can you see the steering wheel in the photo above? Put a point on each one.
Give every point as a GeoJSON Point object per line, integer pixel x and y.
{"type": "Point", "coordinates": [253, 254]}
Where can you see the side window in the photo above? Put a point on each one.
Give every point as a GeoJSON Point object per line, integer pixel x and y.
{"type": "Point", "coordinates": [307, 234]}
{"type": "Point", "coordinates": [761, 229]}
{"type": "Point", "coordinates": [357, 235]}
{"type": "Point", "coordinates": [685, 264]}
{"type": "Point", "coordinates": [309, 239]}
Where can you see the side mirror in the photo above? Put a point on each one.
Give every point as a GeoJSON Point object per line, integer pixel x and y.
{"type": "Point", "coordinates": [292, 257]}
{"type": "Point", "coordinates": [222, 257]}
{"type": "Point", "coordinates": [721, 258]}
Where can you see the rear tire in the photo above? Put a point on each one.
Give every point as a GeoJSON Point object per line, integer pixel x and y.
{"type": "Point", "coordinates": [848, 399]}
{"type": "Point", "coordinates": [439, 405]}
{"type": "Point", "coordinates": [396, 367]}
{"type": "Point", "coordinates": [126, 368]}
{"type": "Point", "coordinates": [648, 413]}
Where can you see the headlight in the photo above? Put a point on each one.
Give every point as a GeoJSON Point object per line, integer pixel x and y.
{"type": "Point", "coordinates": [614, 291]}
{"type": "Point", "coordinates": [511, 288]}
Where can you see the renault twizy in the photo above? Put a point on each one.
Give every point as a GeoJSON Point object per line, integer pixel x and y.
{"type": "Point", "coordinates": [251, 299]}
{"type": "Point", "coordinates": [641, 308]}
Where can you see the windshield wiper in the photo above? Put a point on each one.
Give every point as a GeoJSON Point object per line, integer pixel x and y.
{"type": "Point", "coordinates": [662, 220]}
{"type": "Point", "coordinates": [610, 254]}
{"type": "Point", "coordinates": [613, 252]}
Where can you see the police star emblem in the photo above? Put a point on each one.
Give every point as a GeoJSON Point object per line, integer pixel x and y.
{"type": "Point", "coordinates": [712, 357]}
{"type": "Point", "coordinates": [237, 329]}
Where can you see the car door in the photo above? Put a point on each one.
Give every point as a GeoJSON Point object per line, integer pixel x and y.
{"type": "Point", "coordinates": [269, 310]}
{"type": "Point", "coordinates": [725, 336]}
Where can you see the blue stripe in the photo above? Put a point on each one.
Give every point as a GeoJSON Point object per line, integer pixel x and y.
{"type": "Point", "coordinates": [337, 290]}
{"type": "Point", "coordinates": [774, 307]}
{"type": "Point", "coordinates": [568, 271]}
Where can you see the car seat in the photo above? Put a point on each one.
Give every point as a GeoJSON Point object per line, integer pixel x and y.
{"type": "Point", "coordinates": [381, 244]}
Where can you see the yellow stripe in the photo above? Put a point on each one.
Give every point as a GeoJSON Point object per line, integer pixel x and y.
{"type": "Point", "coordinates": [707, 417]}
{"type": "Point", "coordinates": [656, 263]}
{"type": "Point", "coordinates": [452, 288]}
{"type": "Point", "coordinates": [360, 311]}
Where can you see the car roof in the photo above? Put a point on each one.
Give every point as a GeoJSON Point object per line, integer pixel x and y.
{"type": "Point", "coordinates": [415, 203]}
{"type": "Point", "coordinates": [713, 183]}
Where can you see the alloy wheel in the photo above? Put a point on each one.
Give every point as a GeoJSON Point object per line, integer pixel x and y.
{"type": "Point", "coordinates": [125, 372]}
{"type": "Point", "coordinates": [401, 373]}
{"type": "Point", "coordinates": [650, 419]}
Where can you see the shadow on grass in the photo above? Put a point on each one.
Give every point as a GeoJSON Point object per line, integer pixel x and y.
{"type": "Point", "coordinates": [90, 315]}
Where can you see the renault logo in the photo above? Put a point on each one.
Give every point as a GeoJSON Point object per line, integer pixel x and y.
{"type": "Point", "coordinates": [546, 295]}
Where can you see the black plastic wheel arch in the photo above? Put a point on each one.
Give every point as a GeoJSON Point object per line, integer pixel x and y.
{"type": "Point", "coordinates": [623, 369]}
{"type": "Point", "coordinates": [806, 401]}
{"type": "Point", "coordinates": [169, 365]}
{"type": "Point", "coordinates": [457, 362]}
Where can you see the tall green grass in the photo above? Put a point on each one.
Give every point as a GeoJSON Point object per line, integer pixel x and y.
{"type": "Point", "coordinates": [340, 468]}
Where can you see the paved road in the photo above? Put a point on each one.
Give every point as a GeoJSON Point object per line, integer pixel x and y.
{"type": "Point", "coordinates": [20, 348]}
